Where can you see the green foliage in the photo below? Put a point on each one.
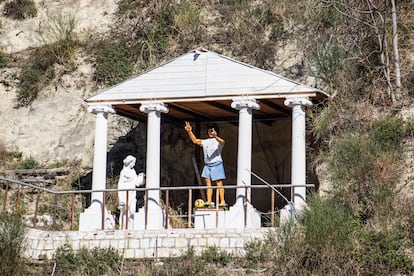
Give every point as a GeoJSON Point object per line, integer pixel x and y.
{"type": "Point", "coordinates": [28, 163]}
{"type": "Point", "coordinates": [214, 255]}
{"type": "Point", "coordinates": [321, 242]}
{"type": "Point", "coordinates": [327, 225]}
{"type": "Point", "coordinates": [41, 69]}
{"type": "Point", "coordinates": [365, 167]}
{"type": "Point", "coordinates": [389, 131]}
{"type": "Point", "coordinates": [383, 253]}
{"type": "Point", "coordinates": [258, 252]}
{"type": "Point", "coordinates": [113, 63]}
{"type": "Point", "coordinates": [20, 9]}
{"type": "Point", "coordinates": [96, 261]}
{"type": "Point", "coordinates": [58, 32]}
{"type": "Point", "coordinates": [12, 237]}
{"type": "Point", "coordinates": [4, 59]}
{"type": "Point", "coordinates": [328, 60]}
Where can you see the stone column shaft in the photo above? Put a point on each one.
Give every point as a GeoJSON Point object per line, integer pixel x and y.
{"type": "Point", "coordinates": [245, 105]}
{"type": "Point", "coordinates": [298, 171]}
{"type": "Point", "coordinates": [153, 109]}
{"type": "Point", "coordinates": [100, 151]}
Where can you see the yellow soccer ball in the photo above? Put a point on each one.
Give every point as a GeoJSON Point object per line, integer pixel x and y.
{"type": "Point", "coordinates": [199, 203]}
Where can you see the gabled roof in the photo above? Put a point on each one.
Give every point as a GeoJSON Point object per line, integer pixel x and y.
{"type": "Point", "coordinates": [202, 76]}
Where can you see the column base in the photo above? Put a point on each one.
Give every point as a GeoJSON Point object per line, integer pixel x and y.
{"type": "Point", "coordinates": [154, 221]}
{"type": "Point", "coordinates": [91, 219]}
{"type": "Point", "coordinates": [291, 211]}
{"type": "Point", "coordinates": [237, 217]}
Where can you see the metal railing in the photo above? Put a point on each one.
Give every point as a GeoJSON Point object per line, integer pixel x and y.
{"type": "Point", "coordinates": [189, 216]}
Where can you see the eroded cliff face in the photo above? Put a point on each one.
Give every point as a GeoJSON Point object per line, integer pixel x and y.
{"type": "Point", "coordinates": [56, 126]}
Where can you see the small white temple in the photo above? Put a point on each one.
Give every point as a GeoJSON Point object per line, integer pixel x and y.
{"type": "Point", "coordinates": [200, 84]}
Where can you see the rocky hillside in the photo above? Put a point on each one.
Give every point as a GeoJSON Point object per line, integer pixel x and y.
{"type": "Point", "coordinates": [56, 126]}
{"type": "Point", "coordinates": [53, 125]}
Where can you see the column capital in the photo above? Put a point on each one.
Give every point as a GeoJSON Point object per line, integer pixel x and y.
{"type": "Point", "coordinates": [146, 107]}
{"type": "Point", "coordinates": [97, 108]}
{"type": "Point", "coordinates": [245, 102]}
{"type": "Point", "coordinates": [297, 100]}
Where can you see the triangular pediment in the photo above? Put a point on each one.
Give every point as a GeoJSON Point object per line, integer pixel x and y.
{"type": "Point", "coordinates": [202, 74]}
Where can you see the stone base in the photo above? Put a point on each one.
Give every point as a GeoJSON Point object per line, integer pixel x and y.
{"type": "Point", "coordinates": [154, 221]}
{"type": "Point", "coordinates": [237, 217]}
{"type": "Point", "coordinates": [91, 219]}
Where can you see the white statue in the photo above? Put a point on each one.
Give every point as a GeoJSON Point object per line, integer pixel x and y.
{"type": "Point", "coordinates": [128, 179]}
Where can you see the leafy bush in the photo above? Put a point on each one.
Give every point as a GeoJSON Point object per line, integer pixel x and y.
{"type": "Point", "coordinates": [363, 174]}
{"type": "Point", "coordinates": [321, 242]}
{"type": "Point", "coordinates": [113, 63]}
{"type": "Point", "coordinates": [383, 253]}
{"type": "Point", "coordinates": [28, 163]}
{"type": "Point", "coordinates": [20, 9]}
{"type": "Point", "coordinates": [216, 256]}
{"type": "Point", "coordinates": [4, 59]}
{"type": "Point", "coordinates": [96, 261]}
{"type": "Point", "coordinates": [388, 132]}
{"type": "Point", "coordinates": [41, 69]}
{"type": "Point", "coordinates": [12, 236]}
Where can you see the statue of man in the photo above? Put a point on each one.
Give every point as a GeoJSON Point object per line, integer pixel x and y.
{"type": "Point", "coordinates": [213, 163]}
{"type": "Point", "coordinates": [128, 179]}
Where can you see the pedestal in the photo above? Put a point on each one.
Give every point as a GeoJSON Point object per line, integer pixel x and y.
{"type": "Point", "coordinates": [91, 219]}
{"type": "Point", "coordinates": [237, 217]}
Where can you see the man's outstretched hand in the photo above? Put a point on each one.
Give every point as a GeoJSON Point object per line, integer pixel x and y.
{"type": "Point", "coordinates": [188, 127]}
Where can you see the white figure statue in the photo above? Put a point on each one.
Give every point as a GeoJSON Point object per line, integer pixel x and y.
{"type": "Point", "coordinates": [128, 179]}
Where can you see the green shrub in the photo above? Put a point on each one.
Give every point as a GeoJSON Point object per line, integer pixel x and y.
{"type": "Point", "coordinates": [258, 252]}
{"type": "Point", "coordinates": [215, 256]}
{"type": "Point", "coordinates": [328, 228]}
{"type": "Point", "coordinates": [58, 33]}
{"type": "Point", "coordinates": [388, 132]}
{"type": "Point", "coordinates": [28, 163]}
{"type": "Point", "coordinates": [20, 9]}
{"type": "Point", "coordinates": [383, 253]}
{"type": "Point", "coordinates": [12, 237]}
{"type": "Point", "coordinates": [321, 242]}
{"type": "Point", "coordinates": [113, 63]}
{"type": "Point", "coordinates": [96, 261]}
{"type": "Point", "coordinates": [4, 59]}
{"type": "Point", "coordinates": [40, 70]}
{"type": "Point", "coordinates": [364, 175]}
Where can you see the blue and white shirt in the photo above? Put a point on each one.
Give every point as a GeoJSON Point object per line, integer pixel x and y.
{"type": "Point", "coordinates": [212, 150]}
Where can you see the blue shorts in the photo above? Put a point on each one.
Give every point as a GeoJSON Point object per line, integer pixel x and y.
{"type": "Point", "coordinates": [214, 171]}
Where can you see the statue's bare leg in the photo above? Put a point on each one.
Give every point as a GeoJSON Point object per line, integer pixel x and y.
{"type": "Point", "coordinates": [221, 193]}
{"type": "Point", "coordinates": [209, 191]}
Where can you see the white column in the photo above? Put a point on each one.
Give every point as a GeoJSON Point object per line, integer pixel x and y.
{"type": "Point", "coordinates": [298, 170]}
{"type": "Point", "coordinates": [154, 211]}
{"type": "Point", "coordinates": [245, 105]}
{"type": "Point", "coordinates": [91, 219]}
{"type": "Point", "coordinates": [100, 151]}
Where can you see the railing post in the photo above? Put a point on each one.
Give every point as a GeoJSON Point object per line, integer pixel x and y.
{"type": "Point", "coordinates": [190, 207]}
{"type": "Point", "coordinates": [18, 199]}
{"type": "Point", "coordinates": [217, 207]}
{"type": "Point", "coordinates": [272, 216]}
{"type": "Point", "coordinates": [167, 198]}
{"type": "Point", "coordinates": [103, 212]}
{"type": "Point", "coordinates": [126, 211]}
{"type": "Point", "coordinates": [246, 191]}
{"type": "Point", "coordinates": [72, 212]}
{"type": "Point", "coordinates": [146, 209]}
{"type": "Point", "coordinates": [5, 196]}
{"type": "Point", "coordinates": [54, 212]}
{"type": "Point", "coordinates": [36, 208]}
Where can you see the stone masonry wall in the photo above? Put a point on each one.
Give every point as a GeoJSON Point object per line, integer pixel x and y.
{"type": "Point", "coordinates": [143, 244]}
